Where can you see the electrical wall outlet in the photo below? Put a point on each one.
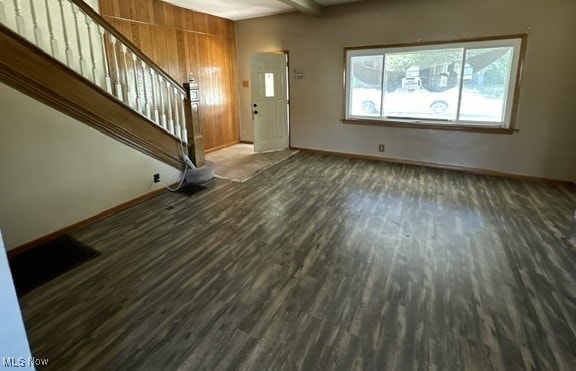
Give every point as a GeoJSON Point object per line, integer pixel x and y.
{"type": "Point", "coordinates": [156, 178]}
{"type": "Point", "coordinates": [381, 148]}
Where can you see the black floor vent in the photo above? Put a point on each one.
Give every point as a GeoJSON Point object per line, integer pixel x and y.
{"type": "Point", "coordinates": [35, 267]}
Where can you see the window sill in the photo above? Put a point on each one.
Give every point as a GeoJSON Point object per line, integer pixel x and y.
{"type": "Point", "coordinates": [411, 125]}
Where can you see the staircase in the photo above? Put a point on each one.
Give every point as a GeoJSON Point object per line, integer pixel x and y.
{"type": "Point", "coordinates": [66, 55]}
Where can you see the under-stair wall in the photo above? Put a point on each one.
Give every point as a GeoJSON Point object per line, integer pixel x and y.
{"type": "Point", "coordinates": [57, 172]}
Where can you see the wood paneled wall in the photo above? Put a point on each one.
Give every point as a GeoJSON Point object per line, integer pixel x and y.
{"type": "Point", "coordinates": [182, 41]}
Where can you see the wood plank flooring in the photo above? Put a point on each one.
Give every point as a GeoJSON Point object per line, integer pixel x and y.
{"type": "Point", "coordinates": [323, 263]}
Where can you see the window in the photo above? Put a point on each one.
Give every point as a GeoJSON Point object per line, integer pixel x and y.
{"type": "Point", "coordinates": [269, 85]}
{"type": "Point", "coordinates": [451, 85]}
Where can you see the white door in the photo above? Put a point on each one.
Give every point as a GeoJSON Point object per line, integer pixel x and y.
{"type": "Point", "coordinates": [269, 101]}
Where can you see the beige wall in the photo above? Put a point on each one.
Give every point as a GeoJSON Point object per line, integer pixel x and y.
{"type": "Point", "coordinates": [544, 146]}
{"type": "Point", "coordinates": [56, 171]}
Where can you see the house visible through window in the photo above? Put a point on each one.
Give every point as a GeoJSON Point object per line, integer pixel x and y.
{"type": "Point", "coordinates": [458, 84]}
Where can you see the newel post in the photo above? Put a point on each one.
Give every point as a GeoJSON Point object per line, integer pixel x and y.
{"type": "Point", "coordinates": [192, 110]}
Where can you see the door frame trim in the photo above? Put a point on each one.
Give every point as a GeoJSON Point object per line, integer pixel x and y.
{"type": "Point", "coordinates": [287, 52]}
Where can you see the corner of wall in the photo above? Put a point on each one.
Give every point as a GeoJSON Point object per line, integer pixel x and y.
{"type": "Point", "coordinates": [58, 171]}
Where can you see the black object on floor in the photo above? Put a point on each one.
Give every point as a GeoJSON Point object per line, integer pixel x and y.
{"type": "Point", "coordinates": [191, 189]}
{"type": "Point", "coordinates": [35, 267]}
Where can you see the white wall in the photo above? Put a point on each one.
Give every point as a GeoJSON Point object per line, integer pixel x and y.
{"type": "Point", "coordinates": [94, 4]}
{"type": "Point", "coordinates": [56, 171]}
{"type": "Point", "coordinates": [544, 146]}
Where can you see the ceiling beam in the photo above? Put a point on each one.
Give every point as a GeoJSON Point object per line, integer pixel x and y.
{"type": "Point", "coordinates": [306, 6]}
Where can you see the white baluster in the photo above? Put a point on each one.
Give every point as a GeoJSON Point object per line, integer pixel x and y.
{"type": "Point", "coordinates": [91, 43]}
{"type": "Point", "coordinates": [20, 22]}
{"type": "Point", "coordinates": [170, 117]}
{"type": "Point", "coordinates": [69, 55]}
{"type": "Point", "coordinates": [79, 41]}
{"type": "Point", "coordinates": [118, 80]}
{"type": "Point", "coordinates": [136, 83]}
{"type": "Point", "coordinates": [154, 95]}
{"type": "Point", "coordinates": [146, 95]}
{"type": "Point", "coordinates": [107, 78]}
{"type": "Point", "coordinates": [183, 122]}
{"type": "Point", "coordinates": [2, 12]}
{"type": "Point", "coordinates": [53, 41]}
{"type": "Point", "coordinates": [125, 76]}
{"type": "Point", "coordinates": [147, 91]}
{"type": "Point", "coordinates": [176, 113]}
{"type": "Point", "coordinates": [37, 30]}
{"type": "Point", "coordinates": [162, 107]}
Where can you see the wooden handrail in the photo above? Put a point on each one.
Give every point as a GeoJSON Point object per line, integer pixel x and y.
{"type": "Point", "coordinates": [139, 84]}
{"type": "Point", "coordinates": [34, 72]}
{"type": "Point", "coordinates": [133, 48]}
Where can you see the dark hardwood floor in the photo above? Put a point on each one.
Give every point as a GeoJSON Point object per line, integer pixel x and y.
{"type": "Point", "coordinates": [323, 263]}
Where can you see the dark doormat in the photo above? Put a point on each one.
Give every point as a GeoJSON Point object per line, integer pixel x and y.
{"type": "Point", "coordinates": [35, 267]}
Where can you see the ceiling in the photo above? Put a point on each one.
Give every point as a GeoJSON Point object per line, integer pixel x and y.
{"type": "Point", "coordinates": [243, 9]}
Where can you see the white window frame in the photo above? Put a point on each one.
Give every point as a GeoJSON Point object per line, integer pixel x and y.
{"type": "Point", "coordinates": [518, 42]}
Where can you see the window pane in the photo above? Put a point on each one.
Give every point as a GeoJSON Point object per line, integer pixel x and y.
{"type": "Point", "coordinates": [366, 81]}
{"type": "Point", "coordinates": [486, 84]}
{"type": "Point", "coordinates": [269, 84]}
{"type": "Point", "coordinates": [458, 83]}
{"type": "Point", "coordinates": [423, 84]}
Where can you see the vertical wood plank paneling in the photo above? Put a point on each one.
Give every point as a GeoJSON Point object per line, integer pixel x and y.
{"type": "Point", "coordinates": [158, 9]}
{"type": "Point", "coordinates": [200, 22]}
{"type": "Point", "coordinates": [106, 7]}
{"type": "Point", "coordinates": [124, 9]}
{"type": "Point", "coordinates": [217, 81]}
{"type": "Point", "coordinates": [230, 88]}
{"type": "Point", "coordinates": [145, 39]}
{"type": "Point", "coordinates": [141, 11]}
{"type": "Point", "coordinates": [172, 53]}
{"type": "Point", "coordinates": [161, 52]}
{"type": "Point", "coordinates": [190, 21]}
{"type": "Point", "coordinates": [214, 25]}
{"type": "Point", "coordinates": [133, 9]}
{"type": "Point", "coordinates": [182, 41]}
{"type": "Point", "coordinates": [215, 86]}
{"type": "Point", "coordinates": [188, 65]}
{"type": "Point", "coordinates": [149, 5]}
{"type": "Point", "coordinates": [154, 44]}
{"type": "Point", "coordinates": [207, 113]}
{"type": "Point", "coordinates": [135, 29]}
{"type": "Point", "coordinates": [180, 18]}
{"type": "Point", "coordinates": [124, 28]}
{"type": "Point", "coordinates": [115, 8]}
{"type": "Point", "coordinates": [168, 15]}
{"type": "Point", "coordinates": [234, 115]}
{"type": "Point", "coordinates": [181, 51]}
